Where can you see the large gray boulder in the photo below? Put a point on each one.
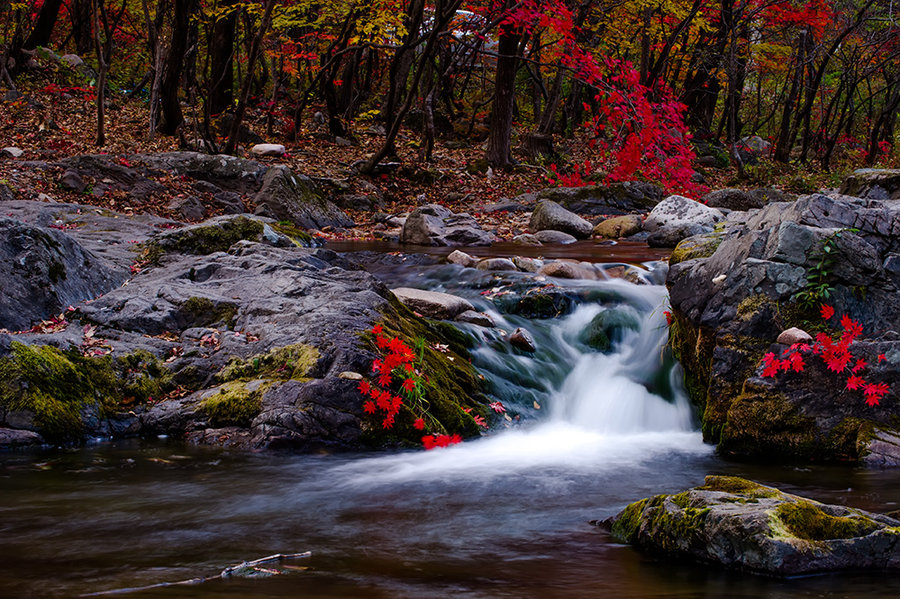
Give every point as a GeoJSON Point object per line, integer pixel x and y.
{"type": "Point", "coordinates": [872, 183]}
{"type": "Point", "coordinates": [433, 303]}
{"type": "Point", "coordinates": [678, 210]}
{"type": "Point", "coordinates": [613, 198]}
{"type": "Point", "coordinates": [740, 524]}
{"type": "Point", "coordinates": [43, 272]}
{"type": "Point", "coordinates": [550, 216]}
{"type": "Point", "coordinates": [288, 196]}
{"type": "Point", "coordinates": [731, 300]}
{"type": "Point", "coordinates": [739, 199]}
{"type": "Point", "coordinates": [436, 225]}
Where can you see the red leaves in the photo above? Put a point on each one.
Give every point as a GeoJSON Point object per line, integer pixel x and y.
{"type": "Point", "coordinates": [835, 353]}
{"type": "Point", "coordinates": [432, 442]}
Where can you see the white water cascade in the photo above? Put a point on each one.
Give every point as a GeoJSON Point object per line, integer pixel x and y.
{"type": "Point", "coordinates": [600, 415]}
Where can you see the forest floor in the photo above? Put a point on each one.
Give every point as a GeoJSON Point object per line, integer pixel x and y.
{"type": "Point", "coordinates": [50, 122]}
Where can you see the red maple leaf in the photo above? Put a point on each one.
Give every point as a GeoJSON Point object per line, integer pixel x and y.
{"type": "Point", "coordinates": [369, 407]}
{"type": "Point", "coordinates": [855, 382]}
{"type": "Point", "coordinates": [827, 311]}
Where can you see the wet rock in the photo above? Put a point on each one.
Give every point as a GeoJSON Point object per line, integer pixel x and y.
{"type": "Point", "coordinates": [522, 339]}
{"type": "Point", "coordinates": [551, 216]}
{"type": "Point", "coordinates": [526, 264]}
{"type": "Point", "coordinates": [882, 450]}
{"type": "Point", "coordinates": [461, 258]}
{"type": "Point", "coordinates": [616, 198]}
{"type": "Point", "coordinates": [744, 525]}
{"type": "Point", "coordinates": [564, 269]}
{"type": "Point", "coordinates": [607, 327]}
{"type": "Point", "coordinates": [681, 211]}
{"type": "Point", "coordinates": [287, 196]}
{"type": "Point", "coordinates": [477, 318]}
{"type": "Point", "coordinates": [551, 237]}
{"type": "Point", "coordinates": [15, 438]}
{"type": "Point", "coordinates": [618, 227]}
{"type": "Point", "coordinates": [432, 303]}
{"type": "Point", "coordinates": [229, 202]}
{"type": "Point", "coordinates": [496, 264]}
{"type": "Point", "coordinates": [438, 226]}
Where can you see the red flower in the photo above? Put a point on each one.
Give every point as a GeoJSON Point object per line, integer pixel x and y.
{"type": "Point", "coordinates": [388, 422]}
{"type": "Point", "coordinates": [429, 442]}
{"type": "Point", "coordinates": [827, 311]}
{"type": "Point", "coordinates": [384, 379]}
{"type": "Point", "coordinates": [396, 402]}
{"type": "Point", "coordinates": [369, 407]}
{"type": "Point", "coordinates": [409, 385]}
{"type": "Point", "coordinates": [364, 387]}
{"type": "Point", "coordinates": [419, 424]}
{"type": "Point", "coordinates": [881, 358]}
{"type": "Point", "coordinates": [377, 330]}
{"type": "Point", "coordinates": [374, 393]}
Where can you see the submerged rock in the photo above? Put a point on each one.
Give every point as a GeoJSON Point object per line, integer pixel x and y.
{"type": "Point", "coordinates": [741, 524]}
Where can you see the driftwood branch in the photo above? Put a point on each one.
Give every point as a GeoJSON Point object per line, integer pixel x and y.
{"type": "Point", "coordinates": [235, 570]}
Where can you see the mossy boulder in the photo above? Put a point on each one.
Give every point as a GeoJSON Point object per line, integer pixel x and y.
{"type": "Point", "coordinates": [214, 235]}
{"type": "Point", "coordinates": [744, 525]}
{"type": "Point", "coordinates": [608, 327]}
{"type": "Point", "coordinates": [64, 396]}
{"type": "Point", "coordinates": [735, 291]}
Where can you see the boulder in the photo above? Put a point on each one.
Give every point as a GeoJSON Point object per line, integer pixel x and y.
{"type": "Point", "coordinates": [743, 525]}
{"type": "Point", "coordinates": [678, 210]}
{"type": "Point", "coordinates": [287, 196]}
{"type": "Point", "coordinates": [872, 183]}
{"type": "Point", "coordinates": [496, 264]}
{"type": "Point", "coordinates": [551, 216]}
{"type": "Point", "coordinates": [477, 318]}
{"type": "Point", "coordinates": [615, 198]}
{"type": "Point", "coordinates": [11, 438]}
{"type": "Point", "coordinates": [670, 236]}
{"type": "Point", "coordinates": [461, 258]}
{"type": "Point", "coordinates": [732, 199]}
{"type": "Point", "coordinates": [733, 298]}
{"type": "Point", "coordinates": [188, 208]}
{"type": "Point", "coordinates": [12, 152]}
{"type": "Point", "coordinates": [528, 239]}
{"type": "Point", "coordinates": [526, 264]}
{"type": "Point", "coordinates": [267, 150]}
{"type": "Point", "coordinates": [45, 271]}
{"type": "Point", "coordinates": [227, 172]}
{"type": "Point", "coordinates": [554, 237]}
{"type": "Point", "coordinates": [436, 225]}
{"type": "Point", "coordinates": [522, 339]}
{"type": "Point", "coordinates": [794, 335]}
{"type": "Point", "coordinates": [565, 269]}
{"type": "Point", "coordinates": [756, 144]}
{"type": "Point", "coordinates": [432, 303]}
{"type": "Point", "coordinates": [618, 227]}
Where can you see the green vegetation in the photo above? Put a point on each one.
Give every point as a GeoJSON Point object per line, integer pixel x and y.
{"type": "Point", "coordinates": [234, 404]}
{"type": "Point", "coordinates": [808, 521]}
{"type": "Point", "coordinates": [291, 362]}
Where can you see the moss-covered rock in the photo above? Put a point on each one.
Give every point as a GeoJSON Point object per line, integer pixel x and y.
{"type": "Point", "coordinates": [741, 524]}
{"type": "Point", "coordinates": [59, 389]}
{"type": "Point", "coordinates": [235, 403]}
{"type": "Point", "coordinates": [697, 246]}
{"type": "Point", "coordinates": [608, 327]}
{"type": "Point", "coordinates": [214, 235]}
{"type": "Point", "coordinates": [291, 362]}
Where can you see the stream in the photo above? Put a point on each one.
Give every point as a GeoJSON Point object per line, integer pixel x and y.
{"type": "Point", "coordinates": [507, 515]}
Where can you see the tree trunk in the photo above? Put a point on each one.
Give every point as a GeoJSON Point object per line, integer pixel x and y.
{"type": "Point", "coordinates": [81, 26]}
{"type": "Point", "coordinates": [499, 151]}
{"type": "Point", "coordinates": [783, 146]}
{"type": "Point", "coordinates": [170, 115]}
{"type": "Point", "coordinates": [221, 51]}
{"type": "Point", "coordinates": [43, 26]}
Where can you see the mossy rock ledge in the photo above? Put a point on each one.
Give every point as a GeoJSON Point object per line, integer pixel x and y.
{"type": "Point", "coordinates": [743, 525]}
{"type": "Point", "coordinates": [234, 335]}
{"type": "Point", "coordinates": [734, 292]}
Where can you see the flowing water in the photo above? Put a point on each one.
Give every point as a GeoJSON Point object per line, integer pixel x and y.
{"type": "Point", "coordinates": [508, 515]}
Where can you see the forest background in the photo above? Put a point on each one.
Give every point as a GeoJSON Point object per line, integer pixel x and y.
{"type": "Point", "coordinates": [494, 97]}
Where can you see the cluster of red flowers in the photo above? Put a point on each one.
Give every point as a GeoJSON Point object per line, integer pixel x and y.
{"type": "Point", "coordinates": [835, 353]}
{"type": "Point", "coordinates": [398, 364]}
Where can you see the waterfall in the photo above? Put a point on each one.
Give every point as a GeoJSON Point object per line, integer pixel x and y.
{"type": "Point", "coordinates": [579, 410]}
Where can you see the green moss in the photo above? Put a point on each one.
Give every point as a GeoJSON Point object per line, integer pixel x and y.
{"type": "Point", "coordinates": [668, 519]}
{"type": "Point", "coordinates": [693, 347]}
{"type": "Point", "coordinates": [806, 520]}
{"type": "Point", "coordinates": [297, 235]}
{"type": "Point", "coordinates": [206, 239]}
{"type": "Point", "coordinates": [282, 363]}
{"type": "Point", "coordinates": [702, 246]}
{"type": "Point", "coordinates": [451, 386]}
{"type": "Point", "coordinates": [626, 525]}
{"type": "Point", "coordinates": [606, 327]}
{"type": "Point", "coordinates": [762, 422]}
{"type": "Point", "coordinates": [739, 486]}
{"type": "Point", "coordinates": [58, 387]}
{"type": "Point", "coordinates": [234, 404]}
{"type": "Point", "coordinates": [202, 312]}
{"type": "Point", "coordinates": [849, 440]}
{"type": "Point", "coordinates": [752, 304]}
